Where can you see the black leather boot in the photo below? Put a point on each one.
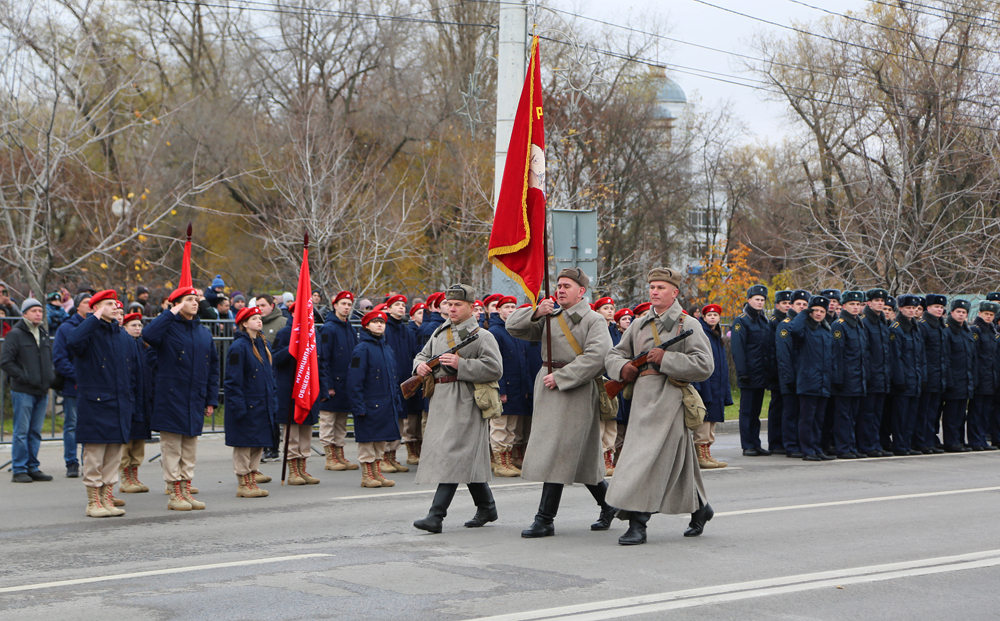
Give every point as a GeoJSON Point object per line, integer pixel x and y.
{"type": "Point", "coordinates": [486, 509]}
{"type": "Point", "coordinates": [608, 512]}
{"type": "Point", "coordinates": [636, 533]}
{"type": "Point", "coordinates": [547, 508]}
{"type": "Point", "coordinates": [439, 508]}
{"type": "Point", "coordinates": [698, 520]}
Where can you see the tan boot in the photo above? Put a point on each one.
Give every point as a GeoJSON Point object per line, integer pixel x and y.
{"type": "Point", "coordinates": [109, 502]}
{"type": "Point", "coordinates": [412, 458]}
{"type": "Point", "coordinates": [260, 477]}
{"type": "Point", "coordinates": [705, 462]}
{"type": "Point", "coordinates": [332, 463]}
{"type": "Point", "coordinates": [310, 479]}
{"type": "Point", "coordinates": [294, 478]}
{"type": "Point", "coordinates": [186, 491]}
{"type": "Point", "coordinates": [254, 480]}
{"type": "Point", "coordinates": [708, 453]}
{"type": "Point", "coordinates": [136, 481]}
{"type": "Point", "coordinates": [501, 467]}
{"type": "Point", "coordinates": [177, 501]}
{"type": "Point", "coordinates": [386, 464]}
{"type": "Point", "coordinates": [342, 459]}
{"type": "Point", "coordinates": [609, 465]}
{"type": "Point", "coordinates": [390, 458]}
{"type": "Point", "coordinates": [508, 459]}
{"type": "Point", "coordinates": [247, 488]}
{"type": "Point", "coordinates": [95, 508]}
{"type": "Point", "coordinates": [517, 456]}
{"type": "Point", "coordinates": [368, 476]}
{"type": "Point", "coordinates": [377, 473]}
{"type": "Point", "coordinates": [168, 490]}
{"type": "Point", "coordinates": [126, 485]}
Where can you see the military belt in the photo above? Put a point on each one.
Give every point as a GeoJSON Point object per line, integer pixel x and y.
{"type": "Point", "coordinates": [446, 379]}
{"type": "Point", "coordinates": [649, 372]}
{"type": "Point", "coordinates": [555, 365]}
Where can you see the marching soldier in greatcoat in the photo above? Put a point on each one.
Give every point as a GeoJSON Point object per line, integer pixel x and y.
{"type": "Point", "coordinates": [658, 470]}
{"type": "Point", "coordinates": [565, 444]}
{"type": "Point", "coordinates": [106, 377]}
{"type": "Point", "coordinates": [456, 438]}
{"type": "Point", "coordinates": [186, 391]}
{"type": "Point", "coordinates": [752, 346]}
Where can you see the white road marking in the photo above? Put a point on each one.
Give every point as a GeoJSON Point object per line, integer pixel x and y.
{"type": "Point", "coordinates": [423, 491]}
{"type": "Point", "coordinates": [158, 572]}
{"type": "Point", "coordinates": [859, 501]}
{"type": "Point", "coordinates": [660, 602]}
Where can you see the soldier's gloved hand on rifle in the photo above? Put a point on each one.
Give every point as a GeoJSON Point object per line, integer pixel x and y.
{"type": "Point", "coordinates": [629, 373]}
{"type": "Point", "coordinates": [655, 357]}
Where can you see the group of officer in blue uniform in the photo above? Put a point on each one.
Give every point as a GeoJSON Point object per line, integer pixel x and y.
{"type": "Point", "coordinates": [860, 375]}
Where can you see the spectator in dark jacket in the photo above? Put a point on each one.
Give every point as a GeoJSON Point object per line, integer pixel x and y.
{"type": "Point", "coordinates": [714, 391]}
{"type": "Point", "coordinates": [55, 312]}
{"type": "Point", "coordinates": [26, 358]}
{"type": "Point", "coordinates": [62, 360]}
{"type": "Point", "coordinates": [7, 304]}
{"type": "Point", "coordinates": [271, 316]}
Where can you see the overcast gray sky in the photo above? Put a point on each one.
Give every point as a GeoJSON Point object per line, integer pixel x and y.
{"type": "Point", "coordinates": [693, 22]}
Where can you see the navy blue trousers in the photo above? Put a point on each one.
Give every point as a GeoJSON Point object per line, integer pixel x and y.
{"type": "Point", "coordinates": [790, 423]}
{"type": "Point", "coordinates": [869, 421]}
{"type": "Point", "coordinates": [885, 425]}
{"type": "Point", "coordinates": [812, 411]}
{"type": "Point", "coordinates": [953, 421]}
{"type": "Point", "coordinates": [751, 400]}
{"type": "Point", "coordinates": [845, 418]}
{"type": "Point", "coordinates": [775, 437]}
{"type": "Point", "coordinates": [978, 422]}
{"type": "Point", "coordinates": [995, 422]}
{"type": "Point", "coordinates": [926, 429]}
{"type": "Point", "coordinates": [827, 438]}
{"type": "Point", "coordinates": [905, 411]}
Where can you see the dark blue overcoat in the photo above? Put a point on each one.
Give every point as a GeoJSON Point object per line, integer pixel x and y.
{"type": "Point", "coordinates": [937, 352]}
{"type": "Point", "coordinates": [284, 375]}
{"type": "Point", "coordinates": [879, 357]}
{"type": "Point", "coordinates": [815, 359]}
{"type": "Point", "coordinates": [516, 383]}
{"type": "Point", "coordinates": [62, 357]}
{"type": "Point", "coordinates": [850, 357]}
{"type": "Point", "coordinates": [906, 347]}
{"type": "Point", "coordinates": [753, 347]}
{"type": "Point", "coordinates": [251, 393]}
{"type": "Point", "coordinates": [144, 396]}
{"type": "Point", "coordinates": [106, 365]}
{"type": "Point", "coordinates": [337, 339]}
{"type": "Point", "coordinates": [961, 361]}
{"type": "Point", "coordinates": [715, 391]}
{"type": "Point", "coordinates": [373, 388]}
{"type": "Point", "coordinates": [403, 341]}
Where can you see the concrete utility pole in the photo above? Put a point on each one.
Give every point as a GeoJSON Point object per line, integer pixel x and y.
{"type": "Point", "coordinates": [513, 49]}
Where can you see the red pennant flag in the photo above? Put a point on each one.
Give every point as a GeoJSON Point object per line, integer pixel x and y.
{"type": "Point", "coordinates": [186, 263]}
{"type": "Point", "coordinates": [518, 237]}
{"type": "Point", "coordinates": [302, 346]}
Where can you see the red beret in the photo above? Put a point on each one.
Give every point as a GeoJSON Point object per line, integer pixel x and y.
{"type": "Point", "coordinates": [380, 308]}
{"type": "Point", "coordinates": [343, 295]}
{"type": "Point", "coordinates": [622, 313]}
{"type": "Point", "coordinates": [711, 308]}
{"type": "Point", "coordinates": [434, 299]}
{"type": "Point", "coordinates": [246, 313]}
{"type": "Point", "coordinates": [479, 303]}
{"type": "Point", "coordinates": [119, 305]}
{"type": "Point", "coordinates": [642, 308]}
{"type": "Point", "coordinates": [100, 296]}
{"type": "Point", "coordinates": [131, 317]}
{"type": "Point", "coordinates": [371, 316]}
{"type": "Point", "coordinates": [493, 297]}
{"type": "Point", "coordinates": [507, 300]}
{"type": "Point", "coordinates": [416, 307]}
{"type": "Point", "coordinates": [394, 299]}
{"type": "Point", "coordinates": [601, 302]}
{"type": "Point", "coordinates": [176, 295]}
{"type": "Point", "coordinates": [528, 305]}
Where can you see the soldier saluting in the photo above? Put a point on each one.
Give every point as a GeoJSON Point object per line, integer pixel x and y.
{"type": "Point", "coordinates": [658, 470]}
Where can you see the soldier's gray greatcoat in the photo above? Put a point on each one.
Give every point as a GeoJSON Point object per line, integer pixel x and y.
{"type": "Point", "coordinates": [456, 445]}
{"type": "Point", "coordinates": [658, 468]}
{"type": "Point", "coordinates": [565, 442]}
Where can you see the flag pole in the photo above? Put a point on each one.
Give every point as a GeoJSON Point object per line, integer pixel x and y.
{"type": "Point", "coordinates": [545, 253]}
{"type": "Point", "coordinates": [291, 405]}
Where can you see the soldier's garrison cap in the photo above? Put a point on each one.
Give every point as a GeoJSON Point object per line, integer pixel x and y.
{"type": "Point", "coordinates": [833, 294]}
{"type": "Point", "coordinates": [664, 274]}
{"type": "Point", "coordinates": [576, 275]}
{"type": "Point", "coordinates": [756, 290]}
{"type": "Point", "coordinates": [800, 294]}
{"type": "Point", "coordinates": [785, 295]}
{"type": "Point", "coordinates": [875, 294]}
{"type": "Point", "coordinates": [820, 301]}
{"type": "Point", "coordinates": [989, 307]}
{"type": "Point", "coordinates": [852, 296]}
{"type": "Point", "coordinates": [908, 300]}
{"type": "Point", "coordinates": [465, 293]}
{"type": "Point", "coordinates": [936, 298]}
{"type": "Point", "coordinates": [960, 303]}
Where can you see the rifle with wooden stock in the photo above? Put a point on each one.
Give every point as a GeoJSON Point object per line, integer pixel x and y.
{"type": "Point", "coordinates": [410, 386]}
{"type": "Point", "coordinates": [613, 387]}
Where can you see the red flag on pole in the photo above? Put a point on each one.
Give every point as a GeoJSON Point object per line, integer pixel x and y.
{"type": "Point", "coordinates": [518, 237]}
{"type": "Point", "coordinates": [185, 281]}
{"type": "Point", "coordinates": [302, 345]}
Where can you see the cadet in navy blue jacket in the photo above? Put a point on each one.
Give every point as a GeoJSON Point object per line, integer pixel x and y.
{"type": "Point", "coordinates": [850, 373]}
{"type": "Point", "coordinates": [961, 376]}
{"type": "Point", "coordinates": [981, 406]}
{"type": "Point", "coordinates": [106, 368]}
{"type": "Point", "coordinates": [879, 367]}
{"type": "Point", "coordinates": [299, 434]}
{"type": "Point", "coordinates": [134, 450]}
{"type": "Point", "coordinates": [909, 374]}
{"type": "Point", "coordinates": [251, 401]}
{"type": "Point", "coordinates": [937, 352]}
{"type": "Point", "coordinates": [515, 390]}
{"type": "Point", "coordinates": [337, 339]}
{"type": "Point", "coordinates": [786, 358]}
{"type": "Point", "coordinates": [187, 390]}
{"type": "Point", "coordinates": [373, 389]}
{"type": "Point", "coordinates": [62, 360]}
{"type": "Point", "coordinates": [752, 354]}
{"type": "Point", "coordinates": [403, 343]}
{"type": "Point", "coordinates": [812, 381]}
{"type": "Point", "coordinates": [714, 391]}
{"type": "Point", "coordinates": [776, 409]}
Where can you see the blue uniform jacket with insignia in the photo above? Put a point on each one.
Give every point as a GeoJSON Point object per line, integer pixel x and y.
{"type": "Point", "coordinates": [986, 357]}
{"type": "Point", "coordinates": [107, 381]}
{"type": "Point", "coordinates": [337, 340]}
{"type": "Point", "coordinates": [516, 383]}
{"type": "Point", "coordinates": [373, 387]}
{"type": "Point", "coordinates": [906, 345]}
{"type": "Point", "coordinates": [937, 352]}
{"type": "Point", "coordinates": [850, 357]}
{"type": "Point", "coordinates": [878, 350]}
{"type": "Point", "coordinates": [815, 355]}
{"type": "Point", "coordinates": [251, 393]}
{"type": "Point", "coordinates": [786, 354]}
{"type": "Point", "coordinates": [961, 361]}
{"type": "Point", "coordinates": [403, 342]}
{"type": "Point", "coordinates": [752, 347]}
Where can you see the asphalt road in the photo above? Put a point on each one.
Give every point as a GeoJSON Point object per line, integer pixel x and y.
{"type": "Point", "coordinates": [911, 537]}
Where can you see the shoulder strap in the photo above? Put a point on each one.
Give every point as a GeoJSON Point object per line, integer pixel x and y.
{"type": "Point", "coordinates": [451, 337]}
{"type": "Point", "coordinates": [569, 335]}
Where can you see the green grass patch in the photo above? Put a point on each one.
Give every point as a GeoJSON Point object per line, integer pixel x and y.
{"type": "Point", "coordinates": [733, 411]}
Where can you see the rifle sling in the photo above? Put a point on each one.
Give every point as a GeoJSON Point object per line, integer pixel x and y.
{"type": "Point", "coordinates": [569, 335]}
